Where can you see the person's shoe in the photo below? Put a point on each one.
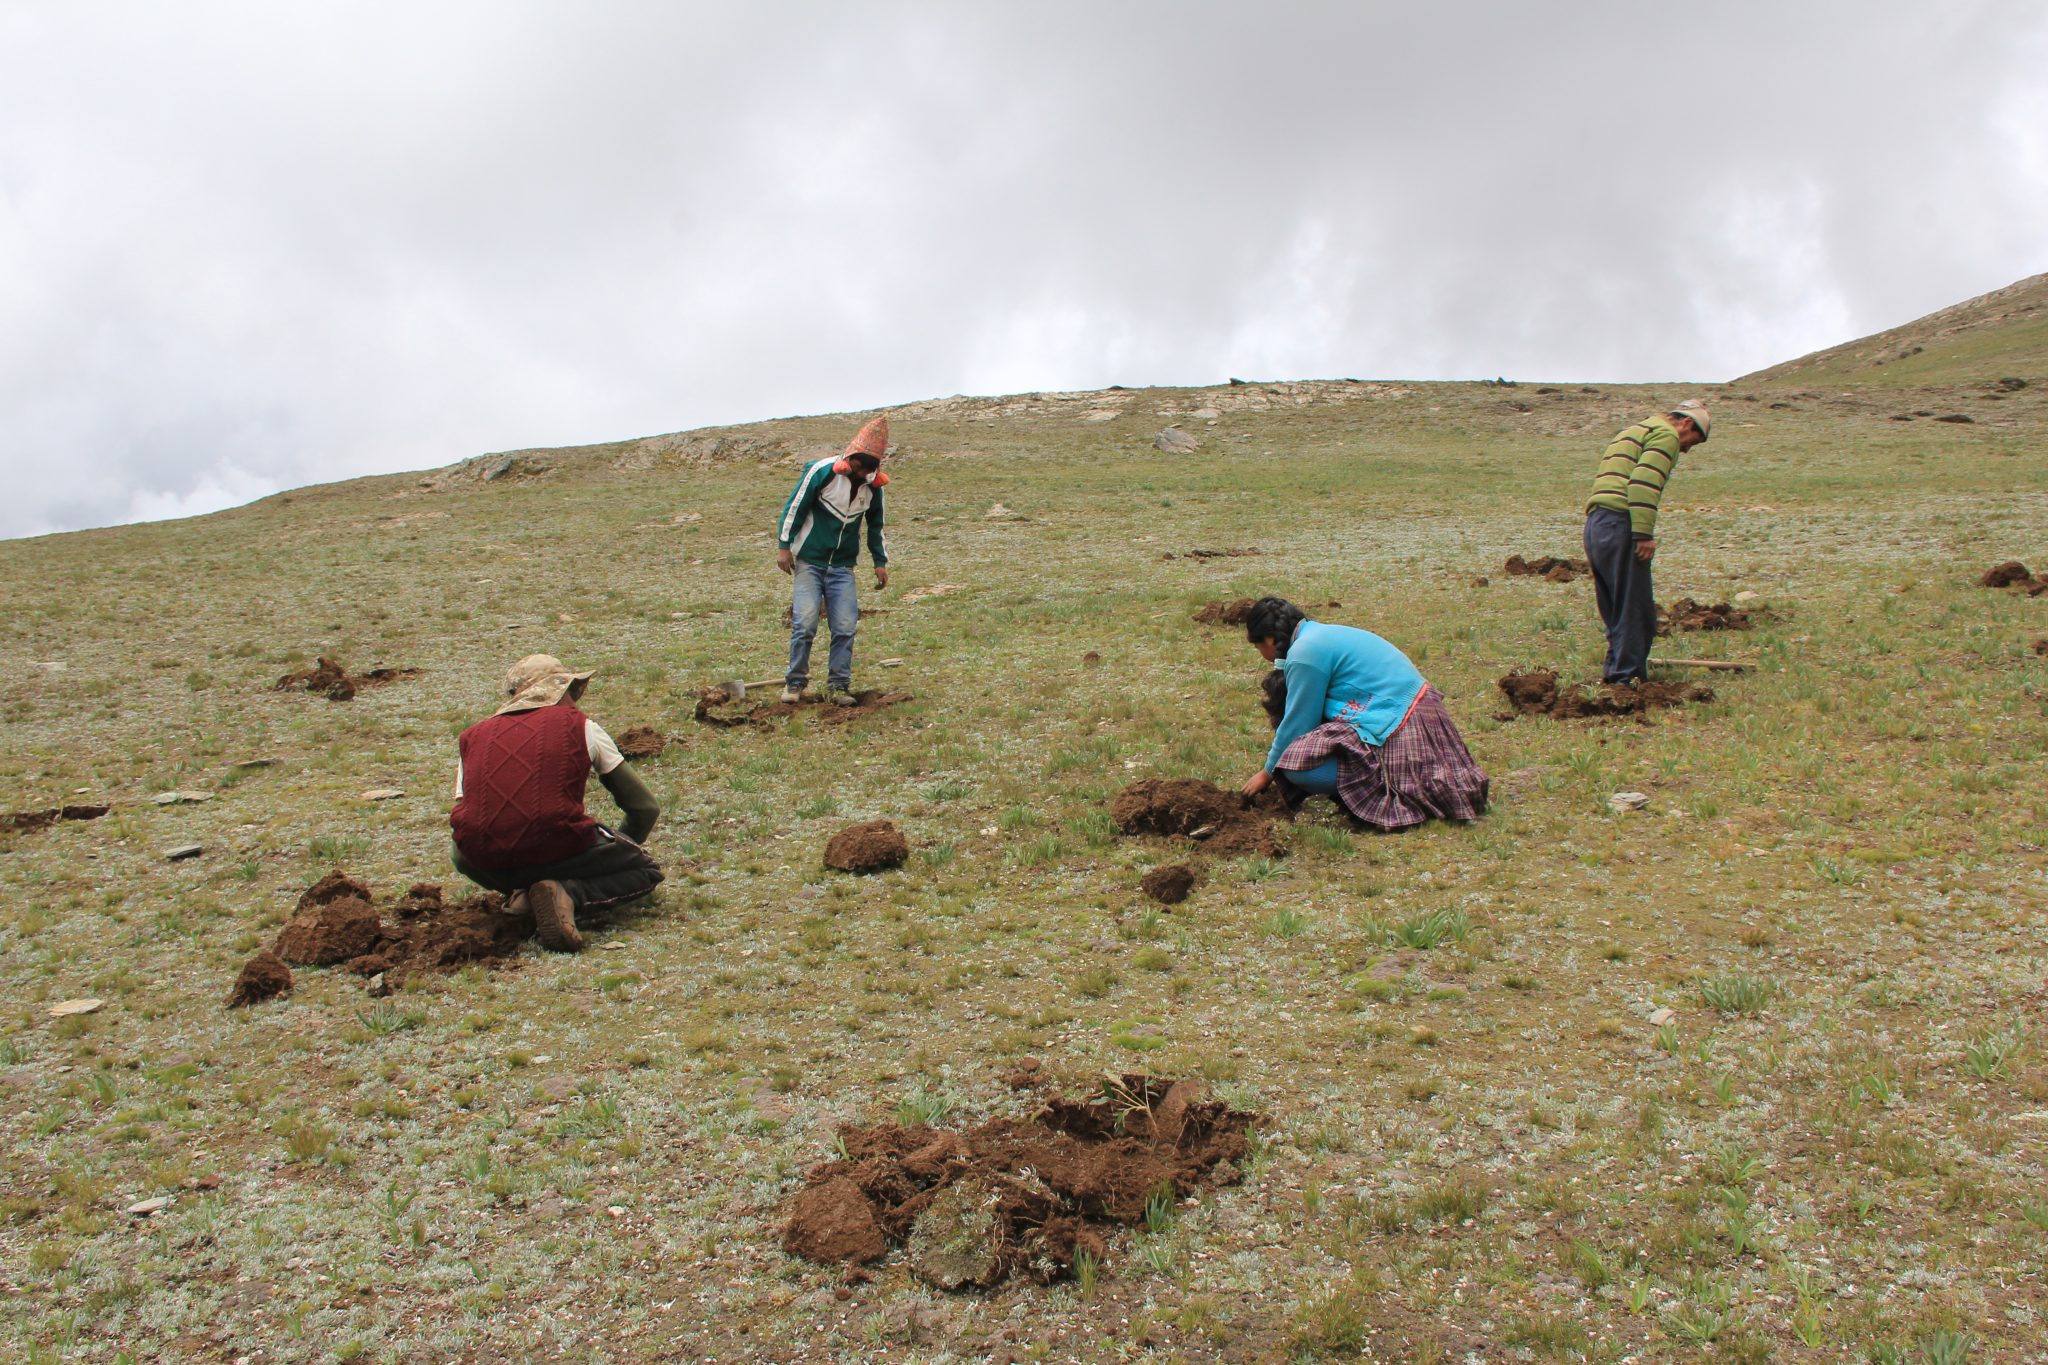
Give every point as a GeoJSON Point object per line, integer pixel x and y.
{"type": "Point", "coordinates": [554, 917]}
{"type": "Point", "coordinates": [843, 696]}
{"type": "Point", "coordinates": [792, 694]}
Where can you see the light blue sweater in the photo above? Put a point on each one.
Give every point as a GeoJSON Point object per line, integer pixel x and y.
{"type": "Point", "coordinates": [1342, 673]}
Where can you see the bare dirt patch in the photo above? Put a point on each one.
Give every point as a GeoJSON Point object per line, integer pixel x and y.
{"type": "Point", "coordinates": [338, 924]}
{"type": "Point", "coordinates": [2013, 574]}
{"type": "Point", "coordinates": [867, 847]}
{"type": "Point", "coordinates": [1239, 553]}
{"type": "Point", "coordinates": [26, 820]}
{"type": "Point", "coordinates": [1538, 693]}
{"type": "Point", "coordinates": [1168, 884]}
{"type": "Point", "coordinates": [1686, 614]}
{"type": "Point", "coordinates": [1016, 1196]}
{"type": "Point", "coordinates": [1221, 822]}
{"type": "Point", "coordinates": [642, 741]}
{"type": "Point", "coordinates": [1549, 568]}
{"type": "Point", "coordinates": [263, 977]}
{"type": "Point", "coordinates": [711, 702]}
{"type": "Point", "coordinates": [333, 681]}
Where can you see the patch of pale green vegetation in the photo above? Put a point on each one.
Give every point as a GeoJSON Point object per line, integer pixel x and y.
{"type": "Point", "coordinates": [1476, 1138]}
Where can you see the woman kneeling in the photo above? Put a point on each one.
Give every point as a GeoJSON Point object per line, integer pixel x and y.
{"type": "Point", "coordinates": [1360, 725]}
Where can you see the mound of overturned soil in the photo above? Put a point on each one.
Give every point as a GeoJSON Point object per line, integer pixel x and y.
{"type": "Point", "coordinates": [1539, 693]}
{"type": "Point", "coordinates": [1226, 613]}
{"type": "Point", "coordinates": [25, 820]}
{"type": "Point", "coordinates": [334, 682]}
{"type": "Point", "coordinates": [642, 741]}
{"type": "Point", "coordinates": [2013, 574]}
{"type": "Point", "coordinates": [1686, 614]}
{"type": "Point", "coordinates": [1239, 553]}
{"type": "Point", "coordinates": [1015, 1196]}
{"type": "Point", "coordinates": [264, 977]}
{"type": "Point", "coordinates": [867, 847]}
{"type": "Point", "coordinates": [1168, 884]}
{"type": "Point", "coordinates": [1549, 568]}
{"type": "Point", "coordinates": [338, 923]}
{"type": "Point", "coordinates": [1222, 822]}
{"type": "Point", "coordinates": [865, 704]}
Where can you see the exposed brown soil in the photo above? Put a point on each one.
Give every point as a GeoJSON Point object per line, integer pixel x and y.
{"type": "Point", "coordinates": [1686, 614]}
{"type": "Point", "coordinates": [1222, 822]}
{"type": "Point", "coordinates": [1015, 1196]}
{"type": "Point", "coordinates": [710, 702]}
{"type": "Point", "coordinates": [2013, 574]}
{"type": "Point", "coordinates": [1226, 613]}
{"type": "Point", "coordinates": [1168, 884]}
{"type": "Point", "coordinates": [642, 741]}
{"type": "Point", "coordinates": [334, 682]}
{"type": "Point", "coordinates": [1215, 554]}
{"type": "Point", "coordinates": [867, 847]}
{"type": "Point", "coordinates": [1538, 693]}
{"type": "Point", "coordinates": [337, 923]}
{"type": "Point", "coordinates": [1549, 568]}
{"type": "Point", "coordinates": [2041, 646]}
{"type": "Point", "coordinates": [263, 977]}
{"type": "Point", "coordinates": [25, 820]}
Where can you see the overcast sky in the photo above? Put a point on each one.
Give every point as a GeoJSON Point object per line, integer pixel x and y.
{"type": "Point", "coordinates": [250, 246]}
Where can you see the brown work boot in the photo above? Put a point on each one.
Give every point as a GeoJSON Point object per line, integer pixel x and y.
{"type": "Point", "coordinates": [554, 917]}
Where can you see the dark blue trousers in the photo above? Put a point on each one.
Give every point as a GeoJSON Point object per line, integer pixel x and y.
{"type": "Point", "coordinates": [1621, 587]}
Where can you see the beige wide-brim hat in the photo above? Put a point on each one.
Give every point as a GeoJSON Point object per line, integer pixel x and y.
{"type": "Point", "coordinates": [540, 680]}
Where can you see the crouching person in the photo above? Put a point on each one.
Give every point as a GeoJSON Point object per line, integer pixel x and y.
{"type": "Point", "coordinates": [519, 822]}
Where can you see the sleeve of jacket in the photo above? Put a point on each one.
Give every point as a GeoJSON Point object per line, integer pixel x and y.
{"type": "Point", "coordinates": [878, 545]}
{"type": "Point", "coordinates": [1308, 686]}
{"type": "Point", "coordinates": [1646, 485]}
{"type": "Point", "coordinates": [800, 499]}
{"type": "Point", "coordinates": [638, 804]}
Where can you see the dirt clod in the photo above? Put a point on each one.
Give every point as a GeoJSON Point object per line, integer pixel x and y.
{"type": "Point", "coordinates": [1686, 614]}
{"type": "Point", "coordinates": [1549, 568]}
{"type": "Point", "coordinates": [2013, 574]}
{"type": "Point", "coordinates": [263, 977]}
{"type": "Point", "coordinates": [332, 931]}
{"type": "Point", "coordinates": [1016, 1196]}
{"type": "Point", "coordinates": [1222, 822]}
{"type": "Point", "coordinates": [333, 681]}
{"type": "Point", "coordinates": [338, 923]}
{"type": "Point", "coordinates": [1538, 693]}
{"type": "Point", "coordinates": [25, 820]}
{"type": "Point", "coordinates": [867, 847]}
{"type": "Point", "coordinates": [1238, 553]}
{"type": "Point", "coordinates": [642, 741]}
{"type": "Point", "coordinates": [1168, 884]}
{"type": "Point", "coordinates": [1231, 613]}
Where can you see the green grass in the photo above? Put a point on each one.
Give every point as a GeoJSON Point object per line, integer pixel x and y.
{"type": "Point", "coordinates": [1471, 1128]}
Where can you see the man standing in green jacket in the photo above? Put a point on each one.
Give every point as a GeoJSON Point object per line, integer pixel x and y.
{"type": "Point", "coordinates": [817, 542]}
{"type": "Point", "coordinates": [1621, 531]}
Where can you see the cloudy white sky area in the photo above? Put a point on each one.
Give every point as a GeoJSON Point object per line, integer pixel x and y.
{"type": "Point", "coordinates": [250, 246]}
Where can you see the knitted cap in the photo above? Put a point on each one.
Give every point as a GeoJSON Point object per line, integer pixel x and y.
{"type": "Point", "coordinates": [872, 440]}
{"type": "Point", "coordinates": [1695, 409]}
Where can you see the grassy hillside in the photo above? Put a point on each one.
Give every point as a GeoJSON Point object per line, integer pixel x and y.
{"type": "Point", "coordinates": [1474, 1139]}
{"type": "Point", "coordinates": [1999, 335]}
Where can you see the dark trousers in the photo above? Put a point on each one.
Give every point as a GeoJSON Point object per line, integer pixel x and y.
{"type": "Point", "coordinates": [609, 872]}
{"type": "Point", "coordinates": [1621, 586]}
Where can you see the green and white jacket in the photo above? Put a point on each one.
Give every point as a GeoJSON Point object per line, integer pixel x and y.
{"type": "Point", "coordinates": [820, 522]}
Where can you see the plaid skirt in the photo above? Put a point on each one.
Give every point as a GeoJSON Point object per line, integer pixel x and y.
{"type": "Point", "coordinates": [1423, 771]}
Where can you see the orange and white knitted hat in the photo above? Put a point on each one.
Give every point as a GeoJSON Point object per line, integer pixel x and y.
{"type": "Point", "coordinates": [873, 439]}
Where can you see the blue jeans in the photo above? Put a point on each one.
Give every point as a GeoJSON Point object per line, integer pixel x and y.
{"type": "Point", "coordinates": [818, 585]}
{"type": "Point", "coordinates": [1320, 780]}
{"type": "Point", "coordinates": [1622, 590]}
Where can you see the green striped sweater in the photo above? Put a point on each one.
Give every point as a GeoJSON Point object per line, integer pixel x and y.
{"type": "Point", "coordinates": [1633, 473]}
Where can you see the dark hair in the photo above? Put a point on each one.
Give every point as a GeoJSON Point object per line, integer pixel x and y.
{"type": "Point", "coordinates": [1273, 618]}
{"type": "Point", "coordinates": [1273, 695]}
{"type": "Point", "coordinates": [868, 462]}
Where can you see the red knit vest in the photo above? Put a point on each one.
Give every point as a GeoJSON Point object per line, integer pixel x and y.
{"type": "Point", "coordinates": [523, 775]}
